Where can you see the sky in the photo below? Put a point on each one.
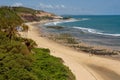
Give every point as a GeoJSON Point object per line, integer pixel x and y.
{"type": "Point", "coordinates": [71, 7]}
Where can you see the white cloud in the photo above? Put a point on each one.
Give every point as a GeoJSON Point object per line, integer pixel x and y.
{"type": "Point", "coordinates": [45, 6]}
{"type": "Point", "coordinates": [49, 6]}
{"type": "Point", "coordinates": [63, 6]}
{"type": "Point", "coordinates": [17, 4]}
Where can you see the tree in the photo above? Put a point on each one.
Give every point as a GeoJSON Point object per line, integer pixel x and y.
{"type": "Point", "coordinates": [9, 21]}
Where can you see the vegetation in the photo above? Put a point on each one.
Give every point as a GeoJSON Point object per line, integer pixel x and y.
{"type": "Point", "coordinates": [24, 10]}
{"type": "Point", "coordinates": [29, 14]}
{"type": "Point", "coordinates": [47, 67]}
{"type": "Point", "coordinates": [9, 20]}
{"type": "Point", "coordinates": [20, 60]}
{"type": "Point", "coordinates": [25, 27]}
{"type": "Point", "coordinates": [46, 18]}
{"type": "Point", "coordinates": [15, 65]}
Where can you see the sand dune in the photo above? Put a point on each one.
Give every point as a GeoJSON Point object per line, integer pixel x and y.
{"type": "Point", "coordinates": [83, 66]}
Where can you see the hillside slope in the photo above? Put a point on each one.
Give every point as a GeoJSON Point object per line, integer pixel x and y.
{"type": "Point", "coordinates": [28, 14]}
{"type": "Point", "coordinates": [19, 57]}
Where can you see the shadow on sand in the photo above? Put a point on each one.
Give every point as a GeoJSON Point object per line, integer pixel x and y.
{"type": "Point", "coordinates": [105, 73]}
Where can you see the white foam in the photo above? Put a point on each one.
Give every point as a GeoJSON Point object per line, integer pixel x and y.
{"type": "Point", "coordinates": [110, 34]}
{"type": "Point", "coordinates": [84, 19]}
{"type": "Point", "coordinates": [86, 30]}
{"type": "Point", "coordinates": [94, 31]}
{"type": "Point", "coordinates": [66, 21]}
{"type": "Point", "coordinates": [62, 21]}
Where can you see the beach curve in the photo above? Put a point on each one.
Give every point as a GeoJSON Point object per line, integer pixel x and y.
{"type": "Point", "coordinates": [76, 61]}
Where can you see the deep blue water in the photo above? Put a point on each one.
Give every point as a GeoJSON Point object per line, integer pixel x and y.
{"type": "Point", "coordinates": [102, 24]}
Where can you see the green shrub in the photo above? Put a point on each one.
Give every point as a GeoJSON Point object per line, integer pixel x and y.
{"type": "Point", "coordinates": [47, 67]}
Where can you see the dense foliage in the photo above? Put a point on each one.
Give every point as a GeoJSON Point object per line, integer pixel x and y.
{"type": "Point", "coordinates": [47, 67]}
{"type": "Point", "coordinates": [9, 18]}
{"type": "Point", "coordinates": [20, 60]}
{"type": "Point", "coordinates": [15, 65]}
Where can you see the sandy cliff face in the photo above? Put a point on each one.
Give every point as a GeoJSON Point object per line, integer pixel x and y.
{"type": "Point", "coordinates": [35, 15]}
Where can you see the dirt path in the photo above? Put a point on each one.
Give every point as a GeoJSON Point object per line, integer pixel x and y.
{"type": "Point", "coordinates": [79, 62]}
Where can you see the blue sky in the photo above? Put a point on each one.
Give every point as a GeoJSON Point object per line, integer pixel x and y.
{"type": "Point", "coordinates": [75, 7]}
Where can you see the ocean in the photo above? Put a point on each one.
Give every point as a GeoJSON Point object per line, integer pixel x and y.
{"type": "Point", "coordinates": [103, 30]}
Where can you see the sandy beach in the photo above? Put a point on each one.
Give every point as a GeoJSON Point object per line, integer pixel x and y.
{"type": "Point", "coordinates": [83, 66]}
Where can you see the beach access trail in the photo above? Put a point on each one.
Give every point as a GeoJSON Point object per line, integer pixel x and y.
{"type": "Point", "coordinates": [83, 66]}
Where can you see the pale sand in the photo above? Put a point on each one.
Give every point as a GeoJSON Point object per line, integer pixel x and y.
{"type": "Point", "coordinates": [78, 62]}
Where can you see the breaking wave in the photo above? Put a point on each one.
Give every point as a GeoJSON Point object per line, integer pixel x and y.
{"type": "Point", "coordinates": [64, 21]}
{"type": "Point", "coordinates": [94, 31]}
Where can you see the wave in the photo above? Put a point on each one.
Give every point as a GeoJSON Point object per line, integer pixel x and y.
{"type": "Point", "coordinates": [84, 19]}
{"type": "Point", "coordinates": [66, 21]}
{"type": "Point", "coordinates": [94, 31]}
{"type": "Point", "coordinates": [61, 21]}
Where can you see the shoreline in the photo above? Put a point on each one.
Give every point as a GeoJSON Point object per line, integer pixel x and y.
{"type": "Point", "coordinates": [73, 59]}
{"type": "Point", "coordinates": [67, 39]}
{"type": "Point", "coordinates": [99, 40]}
{"type": "Point", "coordinates": [98, 47]}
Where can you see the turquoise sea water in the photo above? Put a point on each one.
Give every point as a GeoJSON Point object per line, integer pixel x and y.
{"type": "Point", "coordinates": [102, 24]}
{"type": "Point", "coordinates": [103, 30]}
